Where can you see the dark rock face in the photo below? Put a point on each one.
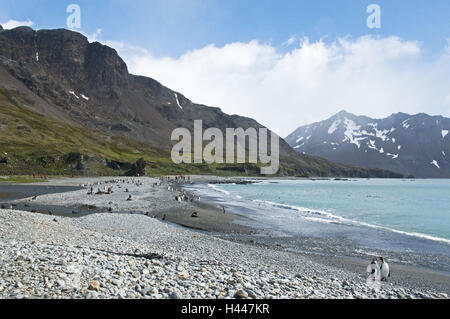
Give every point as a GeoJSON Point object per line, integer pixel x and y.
{"type": "Point", "coordinates": [138, 168]}
{"type": "Point", "coordinates": [417, 145]}
{"type": "Point", "coordinates": [1, 28]}
{"type": "Point", "coordinates": [114, 165]}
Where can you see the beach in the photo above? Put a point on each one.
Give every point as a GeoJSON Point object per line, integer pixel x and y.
{"type": "Point", "coordinates": [152, 247]}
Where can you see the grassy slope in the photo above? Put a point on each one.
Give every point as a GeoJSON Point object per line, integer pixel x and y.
{"type": "Point", "coordinates": [34, 143]}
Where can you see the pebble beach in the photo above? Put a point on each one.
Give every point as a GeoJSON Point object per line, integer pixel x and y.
{"type": "Point", "coordinates": [150, 247]}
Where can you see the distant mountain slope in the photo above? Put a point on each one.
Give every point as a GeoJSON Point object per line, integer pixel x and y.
{"type": "Point", "coordinates": [63, 77]}
{"type": "Point", "coordinates": [416, 145]}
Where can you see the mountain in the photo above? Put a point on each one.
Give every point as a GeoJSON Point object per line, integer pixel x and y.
{"type": "Point", "coordinates": [417, 145]}
{"type": "Point", "coordinates": [64, 80]}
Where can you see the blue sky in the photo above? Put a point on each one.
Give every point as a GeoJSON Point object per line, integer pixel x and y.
{"type": "Point", "coordinates": [171, 27]}
{"type": "Point", "coordinates": [234, 54]}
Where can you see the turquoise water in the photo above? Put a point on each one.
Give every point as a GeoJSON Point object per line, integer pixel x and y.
{"type": "Point", "coordinates": [416, 208]}
{"type": "Point", "coordinates": [407, 221]}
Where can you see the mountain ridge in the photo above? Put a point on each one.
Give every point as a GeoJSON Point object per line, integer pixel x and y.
{"type": "Point", "coordinates": [413, 145]}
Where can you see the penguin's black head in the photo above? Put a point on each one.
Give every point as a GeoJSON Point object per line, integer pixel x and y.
{"type": "Point", "coordinates": [382, 259]}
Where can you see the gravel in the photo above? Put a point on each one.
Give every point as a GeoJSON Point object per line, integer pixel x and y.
{"type": "Point", "coordinates": [134, 256]}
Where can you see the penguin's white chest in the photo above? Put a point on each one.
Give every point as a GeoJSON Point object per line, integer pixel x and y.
{"type": "Point", "coordinates": [384, 271]}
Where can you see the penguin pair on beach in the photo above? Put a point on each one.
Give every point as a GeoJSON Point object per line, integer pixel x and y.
{"type": "Point", "coordinates": [379, 271]}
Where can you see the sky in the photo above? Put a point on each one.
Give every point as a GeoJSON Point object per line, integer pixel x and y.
{"type": "Point", "coordinates": [285, 63]}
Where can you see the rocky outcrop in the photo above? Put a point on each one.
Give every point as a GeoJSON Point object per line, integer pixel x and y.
{"type": "Point", "coordinates": [138, 168]}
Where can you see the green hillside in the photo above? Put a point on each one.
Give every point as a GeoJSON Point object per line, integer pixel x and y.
{"type": "Point", "coordinates": [32, 143]}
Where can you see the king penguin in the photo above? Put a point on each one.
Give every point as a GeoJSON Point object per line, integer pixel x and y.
{"type": "Point", "coordinates": [385, 272]}
{"type": "Point", "coordinates": [373, 268]}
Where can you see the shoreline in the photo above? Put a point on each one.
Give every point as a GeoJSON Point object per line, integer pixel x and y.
{"type": "Point", "coordinates": [411, 276]}
{"type": "Point", "coordinates": [212, 224]}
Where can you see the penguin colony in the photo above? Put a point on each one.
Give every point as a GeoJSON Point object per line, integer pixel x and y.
{"type": "Point", "coordinates": [173, 186]}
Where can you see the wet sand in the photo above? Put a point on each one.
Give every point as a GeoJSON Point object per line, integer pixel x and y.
{"type": "Point", "coordinates": [9, 192]}
{"type": "Point", "coordinates": [209, 218]}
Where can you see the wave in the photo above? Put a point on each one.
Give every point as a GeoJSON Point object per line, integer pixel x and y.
{"type": "Point", "coordinates": [331, 218]}
{"type": "Point", "coordinates": [323, 216]}
{"type": "Point", "coordinates": [214, 187]}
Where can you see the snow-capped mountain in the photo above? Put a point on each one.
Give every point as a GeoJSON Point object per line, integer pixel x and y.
{"type": "Point", "coordinates": [417, 145]}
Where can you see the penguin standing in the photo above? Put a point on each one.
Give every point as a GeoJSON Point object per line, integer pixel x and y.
{"type": "Point", "coordinates": [373, 269]}
{"type": "Point", "coordinates": [385, 272]}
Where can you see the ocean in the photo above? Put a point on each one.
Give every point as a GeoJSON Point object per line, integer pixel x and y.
{"type": "Point", "coordinates": [406, 220]}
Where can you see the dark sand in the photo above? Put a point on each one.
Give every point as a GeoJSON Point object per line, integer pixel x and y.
{"type": "Point", "coordinates": [13, 192]}
{"type": "Point", "coordinates": [10, 192]}
{"type": "Point", "coordinates": [210, 219]}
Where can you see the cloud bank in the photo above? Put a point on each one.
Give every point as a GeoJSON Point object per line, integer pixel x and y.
{"type": "Point", "coordinates": [373, 76]}
{"type": "Point", "coordinates": [11, 24]}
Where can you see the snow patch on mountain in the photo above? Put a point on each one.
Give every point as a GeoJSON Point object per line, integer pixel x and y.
{"type": "Point", "coordinates": [178, 102]}
{"type": "Point", "coordinates": [394, 156]}
{"type": "Point", "coordinates": [334, 127]}
{"type": "Point", "coordinates": [405, 124]}
{"type": "Point", "coordinates": [372, 145]}
{"type": "Point", "coordinates": [73, 93]}
{"type": "Point", "coordinates": [435, 163]}
{"type": "Point", "coordinates": [351, 133]}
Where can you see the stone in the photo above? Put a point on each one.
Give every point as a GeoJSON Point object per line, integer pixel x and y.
{"type": "Point", "coordinates": [95, 285]}
{"type": "Point", "coordinates": [183, 276]}
{"type": "Point", "coordinates": [251, 294]}
{"type": "Point", "coordinates": [154, 291]}
{"type": "Point", "coordinates": [241, 294]}
{"type": "Point", "coordinates": [174, 295]}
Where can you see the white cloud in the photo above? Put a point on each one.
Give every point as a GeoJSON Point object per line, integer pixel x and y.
{"type": "Point", "coordinates": [94, 36]}
{"type": "Point", "coordinates": [368, 75]}
{"type": "Point", "coordinates": [290, 41]}
{"type": "Point", "coordinates": [11, 24]}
